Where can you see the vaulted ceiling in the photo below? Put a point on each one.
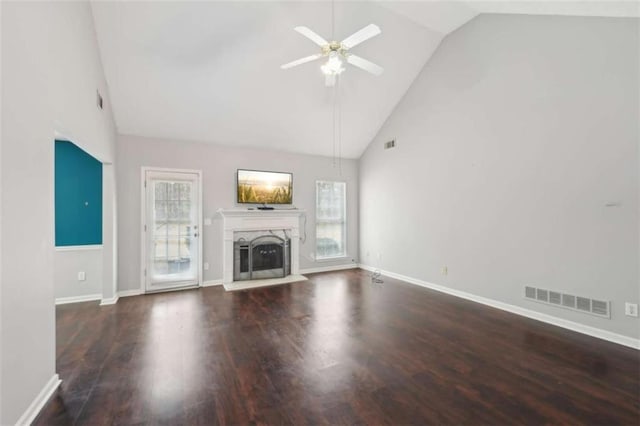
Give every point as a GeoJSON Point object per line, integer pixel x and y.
{"type": "Point", "coordinates": [210, 71]}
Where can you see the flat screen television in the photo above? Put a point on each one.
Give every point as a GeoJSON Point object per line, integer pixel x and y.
{"type": "Point", "coordinates": [260, 187]}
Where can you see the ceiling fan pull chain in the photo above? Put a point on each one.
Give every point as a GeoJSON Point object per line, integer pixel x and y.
{"type": "Point", "coordinates": [333, 20]}
{"type": "Point", "coordinates": [339, 93]}
{"type": "Point", "coordinates": [335, 129]}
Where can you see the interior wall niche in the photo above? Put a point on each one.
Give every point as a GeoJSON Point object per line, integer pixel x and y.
{"type": "Point", "coordinates": [78, 196]}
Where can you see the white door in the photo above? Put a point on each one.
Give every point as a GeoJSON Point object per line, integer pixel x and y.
{"type": "Point", "coordinates": [171, 229]}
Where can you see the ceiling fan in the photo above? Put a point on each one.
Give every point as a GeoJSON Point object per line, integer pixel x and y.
{"type": "Point", "coordinates": [337, 52]}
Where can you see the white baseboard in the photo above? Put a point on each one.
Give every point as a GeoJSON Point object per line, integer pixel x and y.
{"type": "Point", "coordinates": [328, 268]}
{"type": "Point", "coordinates": [138, 292]}
{"type": "Point", "coordinates": [211, 283]}
{"type": "Point", "coordinates": [36, 405]}
{"type": "Point", "coordinates": [109, 301]}
{"type": "Point", "coordinates": [128, 293]}
{"type": "Point", "coordinates": [549, 319]}
{"type": "Point", "coordinates": [77, 299]}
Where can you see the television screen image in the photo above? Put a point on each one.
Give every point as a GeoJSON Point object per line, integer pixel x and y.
{"type": "Point", "coordinates": [257, 187]}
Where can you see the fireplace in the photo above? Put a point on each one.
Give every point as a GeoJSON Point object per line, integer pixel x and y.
{"type": "Point", "coordinates": [247, 258]}
{"type": "Point", "coordinates": [266, 256]}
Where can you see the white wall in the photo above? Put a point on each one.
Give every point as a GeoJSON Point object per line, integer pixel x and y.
{"type": "Point", "coordinates": [109, 235]}
{"type": "Point", "coordinates": [1, 235]}
{"type": "Point", "coordinates": [218, 164]}
{"type": "Point", "coordinates": [99, 266]}
{"type": "Point", "coordinates": [67, 264]}
{"type": "Point", "coordinates": [50, 72]}
{"type": "Point", "coordinates": [510, 143]}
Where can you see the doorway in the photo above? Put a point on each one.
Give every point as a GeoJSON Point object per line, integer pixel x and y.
{"type": "Point", "coordinates": [171, 229]}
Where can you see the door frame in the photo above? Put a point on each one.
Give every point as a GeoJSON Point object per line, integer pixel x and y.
{"type": "Point", "coordinates": [143, 219]}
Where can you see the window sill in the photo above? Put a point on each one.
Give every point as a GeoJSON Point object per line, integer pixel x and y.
{"type": "Point", "coordinates": [332, 258]}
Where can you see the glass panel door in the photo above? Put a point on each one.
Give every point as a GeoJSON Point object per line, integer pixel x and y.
{"type": "Point", "coordinates": [172, 230]}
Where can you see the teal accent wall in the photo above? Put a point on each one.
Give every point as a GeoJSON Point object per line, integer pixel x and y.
{"type": "Point", "coordinates": [78, 196]}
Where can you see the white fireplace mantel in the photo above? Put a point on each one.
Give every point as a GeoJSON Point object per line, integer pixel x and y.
{"type": "Point", "coordinates": [240, 220]}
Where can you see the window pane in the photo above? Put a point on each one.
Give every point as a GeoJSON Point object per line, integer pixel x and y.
{"type": "Point", "coordinates": [330, 219]}
{"type": "Point", "coordinates": [173, 211]}
{"type": "Point", "coordinates": [185, 211]}
{"type": "Point", "coordinates": [329, 239]}
{"type": "Point", "coordinates": [160, 210]}
{"type": "Point", "coordinates": [184, 191]}
{"type": "Point", "coordinates": [161, 190]}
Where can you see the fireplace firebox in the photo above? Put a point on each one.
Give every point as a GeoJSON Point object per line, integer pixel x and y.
{"type": "Point", "coordinates": [266, 256]}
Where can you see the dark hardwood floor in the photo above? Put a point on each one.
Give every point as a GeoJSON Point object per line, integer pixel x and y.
{"type": "Point", "coordinates": [333, 350]}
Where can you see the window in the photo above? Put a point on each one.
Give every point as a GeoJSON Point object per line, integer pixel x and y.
{"type": "Point", "coordinates": [331, 215]}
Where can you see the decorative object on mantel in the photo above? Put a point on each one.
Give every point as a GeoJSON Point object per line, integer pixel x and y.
{"type": "Point", "coordinates": [241, 228]}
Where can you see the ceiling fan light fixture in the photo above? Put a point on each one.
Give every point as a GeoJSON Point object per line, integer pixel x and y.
{"type": "Point", "coordinates": [333, 66]}
{"type": "Point", "coordinates": [338, 53]}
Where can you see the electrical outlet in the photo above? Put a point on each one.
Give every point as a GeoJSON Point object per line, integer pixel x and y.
{"type": "Point", "coordinates": [631, 309]}
{"type": "Point", "coordinates": [379, 256]}
{"type": "Point", "coordinates": [445, 270]}
{"type": "Point", "coordinates": [82, 276]}
{"type": "Point", "coordinates": [206, 266]}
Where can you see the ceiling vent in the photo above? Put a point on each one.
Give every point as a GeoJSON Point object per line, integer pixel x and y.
{"type": "Point", "coordinates": [600, 308]}
{"type": "Point", "coordinates": [390, 144]}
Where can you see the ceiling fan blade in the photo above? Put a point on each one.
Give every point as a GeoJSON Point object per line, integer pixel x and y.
{"type": "Point", "coordinates": [330, 80]}
{"type": "Point", "coordinates": [366, 33]}
{"type": "Point", "coordinates": [301, 61]}
{"type": "Point", "coordinates": [311, 36]}
{"type": "Point", "coordinates": [364, 64]}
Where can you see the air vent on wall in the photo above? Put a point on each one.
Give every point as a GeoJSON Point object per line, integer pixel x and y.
{"type": "Point", "coordinates": [390, 144]}
{"type": "Point", "coordinates": [542, 295]}
{"type": "Point", "coordinates": [583, 304]}
{"type": "Point", "coordinates": [530, 292]}
{"type": "Point", "coordinates": [600, 308]}
{"type": "Point", "coordinates": [568, 301]}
